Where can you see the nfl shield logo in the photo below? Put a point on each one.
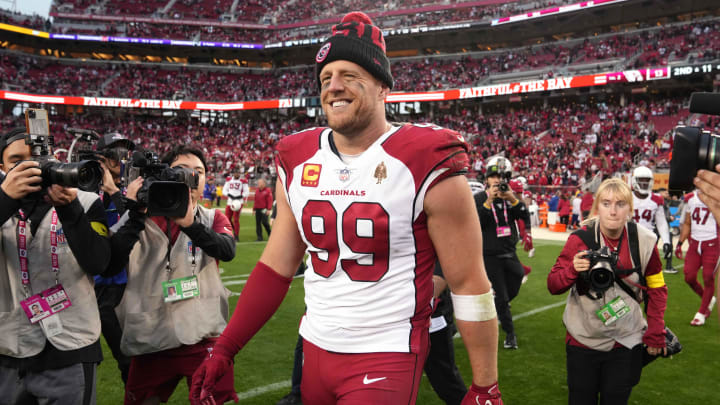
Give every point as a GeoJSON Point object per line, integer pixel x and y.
{"type": "Point", "coordinates": [344, 174]}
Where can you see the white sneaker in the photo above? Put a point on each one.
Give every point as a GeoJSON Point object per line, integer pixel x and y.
{"type": "Point", "coordinates": [712, 304]}
{"type": "Point", "coordinates": [699, 320]}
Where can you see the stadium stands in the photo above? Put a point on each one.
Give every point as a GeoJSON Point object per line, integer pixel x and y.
{"type": "Point", "coordinates": [296, 13]}
{"type": "Point", "coordinates": [551, 146]}
{"type": "Point", "coordinates": [639, 48]}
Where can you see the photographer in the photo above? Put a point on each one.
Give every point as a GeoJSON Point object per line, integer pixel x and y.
{"type": "Point", "coordinates": [499, 210]}
{"type": "Point", "coordinates": [113, 150]}
{"type": "Point", "coordinates": [606, 329]}
{"type": "Point", "coordinates": [440, 367]}
{"type": "Point", "coordinates": [51, 240]}
{"type": "Point", "coordinates": [170, 335]}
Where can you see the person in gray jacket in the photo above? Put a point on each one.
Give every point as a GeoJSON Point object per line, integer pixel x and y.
{"type": "Point", "coordinates": [52, 241]}
{"type": "Point", "coordinates": [175, 305]}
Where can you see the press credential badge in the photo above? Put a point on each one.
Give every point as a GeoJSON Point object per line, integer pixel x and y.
{"type": "Point", "coordinates": [180, 289]}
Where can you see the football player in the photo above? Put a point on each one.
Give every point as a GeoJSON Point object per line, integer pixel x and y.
{"type": "Point", "coordinates": [699, 228]}
{"type": "Point", "coordinates": [649, 208]}
{"type": "Point", "coordinates": [236, 190]}
{"type": "Point", "coordinates": [373, 204]}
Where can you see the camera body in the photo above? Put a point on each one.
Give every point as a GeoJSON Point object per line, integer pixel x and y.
{"type": "Point", "coordinates": [603, 263]}
{"type": "Point", "coordinates": [693, 148]}
{"type": "Point", "coordinates": [165, 189]}
{"type": "Point", "coordinates": [504, 186]}
{"type": "Point", "coordinates": [85, 175]}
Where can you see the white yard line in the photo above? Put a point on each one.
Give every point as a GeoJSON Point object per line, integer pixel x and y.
{"type": "Point", "coordinates": [223, 278]}
{"type": "Point", "coordinates": [261, 390]}
{"type": "Point", "coordinates": [287, 383]}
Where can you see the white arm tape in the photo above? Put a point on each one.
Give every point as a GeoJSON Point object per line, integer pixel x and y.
{"type": "Point", "coordinates": [474, 308]}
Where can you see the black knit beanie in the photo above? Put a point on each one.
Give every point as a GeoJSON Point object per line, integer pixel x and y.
{"type": "Point", "coordinates": [357, 40]}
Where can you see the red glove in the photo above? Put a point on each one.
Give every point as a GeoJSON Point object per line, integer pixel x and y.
{"type": "Point", "coordinates": [525, 236]}
{"type": "Point", "coordinates": [527, 242]}
{"type": "Point", "coordinates": [678, 251]}
{"type": "Point", "coordinates": [218, 363]}
{"type": "Point", "coordinates": [489, 395]}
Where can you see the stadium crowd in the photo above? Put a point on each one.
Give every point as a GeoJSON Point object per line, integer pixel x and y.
{"type": "Point", "coordinates": [564, 145]}
{"type": "Point", "coordinates": [396, 14]}
{"type": "Point", "coordinates": [700, 41]}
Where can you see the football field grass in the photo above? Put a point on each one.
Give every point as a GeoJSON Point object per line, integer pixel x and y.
{"type": "Point", "coordinates": [533, 374]}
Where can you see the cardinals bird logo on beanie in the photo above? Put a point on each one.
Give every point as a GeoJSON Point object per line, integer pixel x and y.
{"type": "Point", "coordinates": [357, 40]}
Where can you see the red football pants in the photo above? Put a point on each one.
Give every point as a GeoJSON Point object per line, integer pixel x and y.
{"type": "Point", "coordinates": [330, 378]}
{"type": "Point", "coordinates": [234, 217]}
{"type": "Point", "coordinates": [707, 257]}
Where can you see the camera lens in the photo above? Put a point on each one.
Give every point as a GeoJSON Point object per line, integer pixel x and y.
{"type": "Point", "coordinates": [167, 199]}
{"type": "Point", "coordinates": [85, 175]}
{"type": "Point", "coordinates": [601, 278]}
{"type": "Point", "coordinates": [693, 149]}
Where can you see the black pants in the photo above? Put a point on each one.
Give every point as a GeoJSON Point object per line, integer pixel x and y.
{"type": "Point", "coordinates": [440, 367]}
{"type": "Point", "coordinates": [261, 218]}
{"type": "Point", "coordinates": [297, 367]}
{"type": "Point", "coordinates": [610, 376]}
{"type": "Point", "coordinates": [505, 274]}
{"type": "Point", "coordinates": [108, 297]}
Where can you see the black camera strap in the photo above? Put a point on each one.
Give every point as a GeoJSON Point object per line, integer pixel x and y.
{"type": "Point", "coordinates": [168, 233]}
{"type": "Point", "coordinates": [591, 239]}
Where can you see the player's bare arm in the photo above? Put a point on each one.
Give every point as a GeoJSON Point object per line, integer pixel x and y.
{"type": "Point", "coordinates": [454, 228]}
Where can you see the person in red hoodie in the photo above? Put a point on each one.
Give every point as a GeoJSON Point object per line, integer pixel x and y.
{"type": "Point", "coordinates": [263, 203]}
{"type": "Point", "coordinates": [607, 332]}
{"type": "Point", "coordinates": [564, 210]}
{"type": "Point", "coordinates": [586, 203]}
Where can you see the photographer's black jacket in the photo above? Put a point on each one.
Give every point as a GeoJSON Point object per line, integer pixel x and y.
{"type": "Point", "coordinates": [216, 245]}
{"type": "Point", "coordinates": [492, 245]}
{"type": "Point", "coordinates": [444, 306]}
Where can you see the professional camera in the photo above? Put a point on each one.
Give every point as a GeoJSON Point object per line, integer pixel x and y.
{"type": "Point", "coordinates": [165, 189]}
{"type": "Point", "coordinates": [81, 147]}
{"type": "Point", "coordinates": [602, 268]}
{"type": "Point", "coordinates": [694, 148]}
{"type": "Point", "coordinates": [85, 175]}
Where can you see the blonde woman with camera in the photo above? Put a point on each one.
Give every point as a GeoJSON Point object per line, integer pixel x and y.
{"type": "Point", "coordinates": [610, 266]}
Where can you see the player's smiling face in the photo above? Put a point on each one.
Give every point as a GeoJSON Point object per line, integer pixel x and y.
{"type": "Point", "coordinates": [351, 97]}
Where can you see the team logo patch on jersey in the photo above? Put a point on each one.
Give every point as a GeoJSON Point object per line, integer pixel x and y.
{"type": "Point", "coordinates": [380, 172]}
{"type": "Point", "coordinates": [323, 53]}
{"type": "Point", "coordinates": [344, 174]}
{"type": "Point", "coordinates": [310, 175]}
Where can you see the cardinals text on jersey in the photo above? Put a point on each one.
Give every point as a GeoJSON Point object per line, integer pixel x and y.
{"type": "Point", "coordinates": [368, 286]}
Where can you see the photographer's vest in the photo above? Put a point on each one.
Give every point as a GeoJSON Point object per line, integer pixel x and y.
{"type": "Point", "coordinates": [81, 321]}
{"type": "Point", "coordinates": [151, 325]}
{"type": "Point", "coordinates": [580, 318]}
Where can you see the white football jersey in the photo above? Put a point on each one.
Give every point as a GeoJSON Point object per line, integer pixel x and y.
{"type": "Point", "coordinates": [702, 222]}
{"type": "Point", "coordinates": [368, 286]}
{"type": "Point", "coordinates": [650, 213]}
{"type": "Point", "coordinates": [236, 188]}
